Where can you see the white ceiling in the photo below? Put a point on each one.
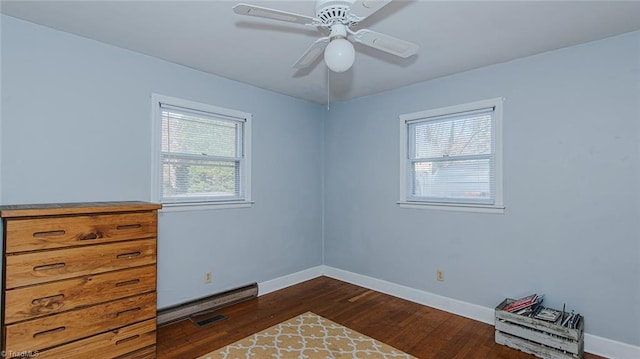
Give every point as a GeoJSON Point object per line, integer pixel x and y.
{"type": "Point", "coordinates": [454, 36]}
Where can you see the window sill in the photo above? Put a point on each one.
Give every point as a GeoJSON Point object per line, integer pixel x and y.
{"type": "Point", "coordinates": [453, 207]}
{"type": "Point", "coordinates": [181, 207]}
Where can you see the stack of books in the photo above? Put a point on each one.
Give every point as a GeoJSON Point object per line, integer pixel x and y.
{"type": "Point", "coordinates": [531, 306]}
{"type": "Point", "coordinates": [523, 303]}
{"type": "Point", "coordinates": [548, 314]}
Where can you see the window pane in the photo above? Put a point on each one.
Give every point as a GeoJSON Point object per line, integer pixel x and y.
{"type": "Point", "coordinates": [199, 178]}
{"type": "Point", "coordinates": [456, 137]}
{"type": "Point", "coordinates": [184, 133]}
{"type": "Point", "coordinates": [468, 181]}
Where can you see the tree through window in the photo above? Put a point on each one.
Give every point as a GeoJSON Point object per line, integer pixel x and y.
{"type": "Point", "coordinates": [203, 153]}
{"type": "Point", "coordinates": [451, 155]}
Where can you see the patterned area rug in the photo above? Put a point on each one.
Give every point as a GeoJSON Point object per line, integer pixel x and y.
{"type": "Point", "coordinates": [307, 336]}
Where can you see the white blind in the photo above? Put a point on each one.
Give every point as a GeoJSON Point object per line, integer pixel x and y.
{"type": "Point", "coordinates": [201, 156]}
{"type": "Point", "coordinates": [451, 158]}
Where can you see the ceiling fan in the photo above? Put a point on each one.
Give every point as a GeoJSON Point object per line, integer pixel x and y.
{"type": "Point", "coordinates": [336, 18]}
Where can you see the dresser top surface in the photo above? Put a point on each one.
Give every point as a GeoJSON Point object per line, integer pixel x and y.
{"type": "Point", "coordinates": [56, 209]}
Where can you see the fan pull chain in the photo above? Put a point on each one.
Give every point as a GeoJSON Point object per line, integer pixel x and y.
{"type": "Point", "coordinates": [328, 89]}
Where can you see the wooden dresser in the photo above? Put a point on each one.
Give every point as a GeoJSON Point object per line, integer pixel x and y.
{"type": "Point", "coordinates": [79, 280]}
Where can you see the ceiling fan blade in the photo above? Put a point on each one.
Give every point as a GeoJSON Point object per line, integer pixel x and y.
{"type": "Point", "coordinates": [361, 9]}
{"type": "Point", "coordinates": [252, 10]}
{"type": "Point", "coordinates": [385, 43]}
{"type": "Point", "coordinates": [312, 53]}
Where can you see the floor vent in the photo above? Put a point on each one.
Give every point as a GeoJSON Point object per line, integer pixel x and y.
{"type": "Point", "coordinates": [202, 320]}
{"type": "Point", "coordinates": [206, 304]}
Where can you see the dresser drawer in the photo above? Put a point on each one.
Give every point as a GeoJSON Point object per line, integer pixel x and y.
{"type": "Point", "coordinates": [36, 301]}
{"type": "Point", "coordinates": [39, 267]}
{"type": "Point", "coordinates": [49, 331]}
{"type": "Point", "coordinates": [109, 345]}
{"type": "Point", "coordinates": [146, 353]}
{"type": "Point", "coordinates": [55, 232]}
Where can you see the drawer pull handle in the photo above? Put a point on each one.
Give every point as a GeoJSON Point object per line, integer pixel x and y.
{"type": "Point", "coordinates": [38, 301]}
{"type": "Point", "coordinates": [134, 337]}
{"type": "Point", "coordinates": [129, 226]}
{"type": "Point", "coordinates": [49, 233]}
{"type": "Point", "coordinates": [129, 282]}
{"type": "Point", "coordinates": [90, 236]}
{"type": "Point", "coordinates": [128, 255]}
{"type": "Point", "coordinates": [132, 310]}
{"type": "Point", "coordinates": [49, 266]}
{"type": "Point", "coordinates": [50, 331]}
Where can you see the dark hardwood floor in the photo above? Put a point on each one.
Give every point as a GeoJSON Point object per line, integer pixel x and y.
{"type": "Point", "coordinates": [421, 331]}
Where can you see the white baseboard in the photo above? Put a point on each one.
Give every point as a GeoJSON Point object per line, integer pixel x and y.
{"type": "Point", "coordinates": [454, 306]}
{"type": "Point", "coordinates": [609, 348]}
{"type": "Point", "coordinates": [289, 280]}
{"type": "Point", "coordinates": [592, 343]}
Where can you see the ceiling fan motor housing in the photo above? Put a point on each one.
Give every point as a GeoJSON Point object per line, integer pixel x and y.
{"type": "Point", "coordinates": [335, 11]}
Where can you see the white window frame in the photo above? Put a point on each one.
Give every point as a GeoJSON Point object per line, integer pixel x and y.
{"type": "Point", "coordinates": [156, 151]}
{"type": "Point", "coordinates": [498, 205]}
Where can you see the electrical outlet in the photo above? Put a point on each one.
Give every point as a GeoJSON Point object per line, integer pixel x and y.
{"type": "Point", "coordinates": [440, 275]}
{"type": "Point", "coordinates": [207, 277]}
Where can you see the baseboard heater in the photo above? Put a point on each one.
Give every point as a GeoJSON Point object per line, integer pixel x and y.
{"type": "Point", "coordinates": [206, 304]}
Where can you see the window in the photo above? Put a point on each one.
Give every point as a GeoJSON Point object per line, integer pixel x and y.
{"type": "Point", "coordinates": [451, 158]}
{"type": "Point", "coordinates": [201, 154]}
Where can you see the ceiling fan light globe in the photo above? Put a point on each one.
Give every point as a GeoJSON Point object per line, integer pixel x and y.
{"type": "Point", "coordinates": [339, 55]}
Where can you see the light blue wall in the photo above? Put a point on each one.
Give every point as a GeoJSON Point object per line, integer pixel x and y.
{"type": "Point", "coordinates": [76, 126]}
{"type": "Point", "coordinates": [571, 172]}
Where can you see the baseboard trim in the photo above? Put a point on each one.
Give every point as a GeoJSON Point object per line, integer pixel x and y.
{"type": "Point", "coordinates": [592, 343]}
{"type": "Point", "coordinates": [610, 348]}
{"type": "Point", "coordinates": [468, 310]}
{"type": "Point", "coordinates": [289, 280]}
